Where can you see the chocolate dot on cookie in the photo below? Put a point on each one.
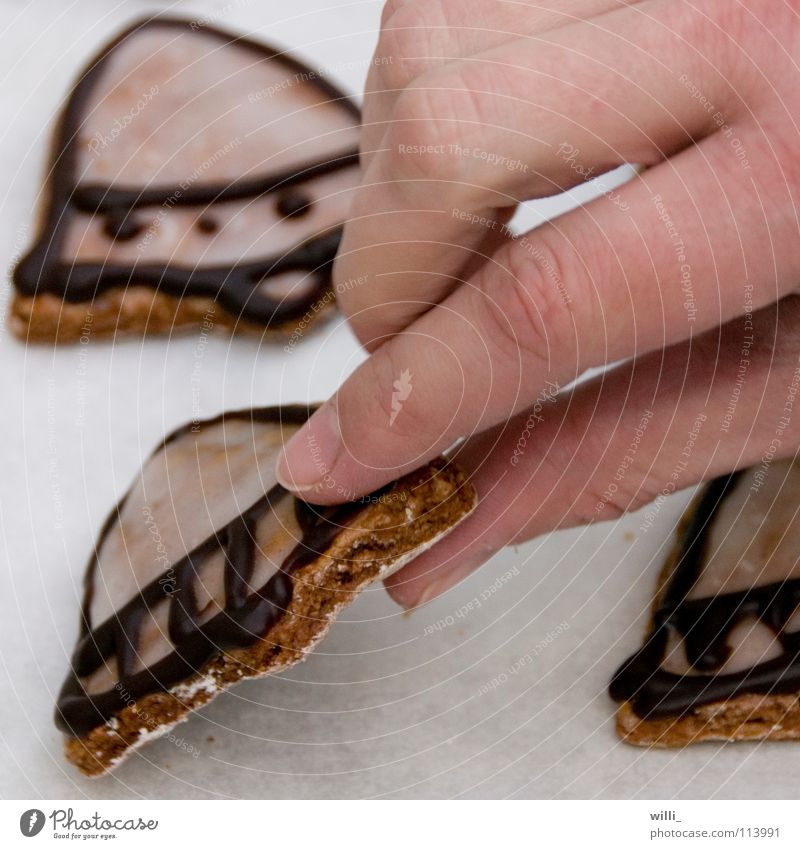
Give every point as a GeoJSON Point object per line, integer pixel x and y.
{"type": "Point", "coordinates": [294, 205]}
{"type": "Point", "coordinates": [206, 224]}
{"type": "Point", "coordinates": [121, 225]}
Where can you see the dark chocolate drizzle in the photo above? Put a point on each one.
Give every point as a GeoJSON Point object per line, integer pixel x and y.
{"type": "Point", "coordinates": [704, 625]}
{"type": "Point", "coordinates": [293, 205]}
{"type": "Point", "coordinates": [247, 614]}
{"type": "Point", "coordinates": [234, 287]}
{"type": "Point", "coordinates": [122, 225]}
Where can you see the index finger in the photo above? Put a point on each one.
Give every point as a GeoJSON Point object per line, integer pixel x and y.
{"type": "Point", "coordinates": [479, 135]}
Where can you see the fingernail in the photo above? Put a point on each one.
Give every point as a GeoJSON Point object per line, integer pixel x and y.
{"type": "Point", "coordinates": [439, 585]}
{"type": "Point", "coordinates": [309, 457]}
{"type": "Point", "coordinates": [426, 594]}
{"type": "Point", "coordinates": [432, 591]}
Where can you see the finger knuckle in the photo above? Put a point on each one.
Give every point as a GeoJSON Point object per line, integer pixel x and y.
{"type": "Point", "coordinates": [407, 47]}
{"type": "Point", "coordinates": [612, 488]}
{"type": "Point", "coordinates": [529, 310]}
{"type": "Point", "coordinates": [601, 500]}
{"type": "Point", "coordinates": [742, 38]}
{"type": "Point", "coordinates": [428, 127]}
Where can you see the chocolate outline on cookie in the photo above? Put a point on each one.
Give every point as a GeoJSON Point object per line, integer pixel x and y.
{"type": "Point", "coordinates": [41, 271]}
{"type": "Point", "coordinates": [703, 624]}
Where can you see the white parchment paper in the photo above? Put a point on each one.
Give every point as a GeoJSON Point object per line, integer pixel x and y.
{"type": "Point", "coordinates": [497, 689]}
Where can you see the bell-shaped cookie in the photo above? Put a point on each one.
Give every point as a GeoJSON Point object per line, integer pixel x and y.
{"type": "Point", "coordinates": [198, 177]}
{"type": "Point", "coordinates": [209, 572]}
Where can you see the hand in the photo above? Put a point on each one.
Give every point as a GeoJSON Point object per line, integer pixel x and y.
{"type": "Point", "coordinates": [685, 273]}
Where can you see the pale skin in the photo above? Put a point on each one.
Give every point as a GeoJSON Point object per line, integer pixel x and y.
{"type": "Point", "coordinates": [687, 273]}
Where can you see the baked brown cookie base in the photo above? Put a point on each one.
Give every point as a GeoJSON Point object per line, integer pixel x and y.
{"type": "Point", "coordinates": [417, 511]}
{"type": "Point", "coordinates": [136, 310]}
{"type": "Point", "coordinates": [748, 717]}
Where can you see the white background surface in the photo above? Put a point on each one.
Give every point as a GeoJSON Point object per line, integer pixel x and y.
{"type": "Point", "coordinates": [384, 707]}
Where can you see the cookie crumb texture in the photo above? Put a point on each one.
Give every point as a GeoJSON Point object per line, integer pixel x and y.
{"type": "Point", "coordinates": [750, 717]}
{"type": "Point", "coordinates": [380, 536]}
{"type": "Point", "coordinates": [140, 311]}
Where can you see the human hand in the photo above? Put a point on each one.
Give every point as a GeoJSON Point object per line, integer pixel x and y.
{"type": "Point", "coordinates": [685, 272]}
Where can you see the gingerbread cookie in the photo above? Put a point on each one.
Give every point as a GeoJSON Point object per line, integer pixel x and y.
{"type": "Point", "coordinates": [197, 176]}
{"type": "Point", "coordinates": [208, 572]}
{"type": "Point", "coordinates": [722, 657]}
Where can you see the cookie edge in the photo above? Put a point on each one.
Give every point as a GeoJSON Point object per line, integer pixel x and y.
{"type": "Point", "coordinates": [140, 311]}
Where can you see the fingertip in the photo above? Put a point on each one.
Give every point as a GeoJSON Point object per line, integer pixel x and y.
{"type": "Point", "coordinates": [307, 458]}
{"type": "Point", "coordinates": [433, 574]}
{"type": "Point", "coordinates": [411, 594]}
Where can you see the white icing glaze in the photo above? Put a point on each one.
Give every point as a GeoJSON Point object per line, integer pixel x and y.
{"type": "Point", "coordinates": [184, 96]}
{"type": "Point", "coordinates": [754, 537]}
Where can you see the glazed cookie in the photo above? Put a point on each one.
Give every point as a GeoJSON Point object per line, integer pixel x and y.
{"type": "Point", "coordinates": [197, 177]}
{"type": "Point", "coordinates": [722, 657]}
{"type": "Point", "coordinates": [208, 572]}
